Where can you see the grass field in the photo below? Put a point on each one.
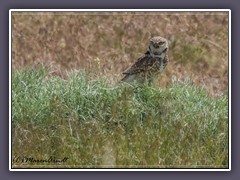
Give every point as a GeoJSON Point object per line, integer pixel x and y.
{"type": "Point", "coordinates": [97, 125]}
{"type": "Point", "coordinates": [108, 43]}
{"type": "Point", "coordinates": [72, 106]}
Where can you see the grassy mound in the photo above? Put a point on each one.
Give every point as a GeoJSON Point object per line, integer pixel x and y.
{"type": "Point", "coordinates": [94, 124]}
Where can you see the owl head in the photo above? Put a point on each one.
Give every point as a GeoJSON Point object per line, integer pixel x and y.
{"type": "Point", "coordinates": [158, 45]}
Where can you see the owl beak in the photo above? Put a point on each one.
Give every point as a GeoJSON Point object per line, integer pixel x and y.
{"type": "Point", "coordinates": [156, 45]}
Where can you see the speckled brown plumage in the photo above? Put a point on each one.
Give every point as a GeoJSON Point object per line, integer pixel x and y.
{"type": "Point", "coordinates": [152, 63]}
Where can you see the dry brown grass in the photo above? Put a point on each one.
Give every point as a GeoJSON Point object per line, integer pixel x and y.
{"type": "Point", "coordinates": [106, 43]}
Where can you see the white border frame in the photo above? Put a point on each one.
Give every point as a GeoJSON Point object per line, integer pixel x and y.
{"type": "Point", "coordinates": [116, 10]}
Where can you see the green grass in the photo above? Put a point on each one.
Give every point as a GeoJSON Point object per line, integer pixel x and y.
{"type": "Point", "coordinates": [96, 124]}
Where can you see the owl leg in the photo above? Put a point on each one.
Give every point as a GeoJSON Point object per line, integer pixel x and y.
{"type": "Point", "coordinates": [150, 81]}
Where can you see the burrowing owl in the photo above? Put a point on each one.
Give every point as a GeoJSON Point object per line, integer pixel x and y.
{"type": "Point", "coordinates": [152, 63]}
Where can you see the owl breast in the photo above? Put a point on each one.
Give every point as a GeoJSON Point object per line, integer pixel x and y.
{"type": "Point", "coordinates": [161, 62]}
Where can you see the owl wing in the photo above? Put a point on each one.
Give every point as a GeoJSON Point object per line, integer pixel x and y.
{"type": "Point", "coordinates": [143, 64]}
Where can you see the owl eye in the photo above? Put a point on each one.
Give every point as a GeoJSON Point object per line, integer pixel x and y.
{"type": "Point", "coordinates": [161, 43]}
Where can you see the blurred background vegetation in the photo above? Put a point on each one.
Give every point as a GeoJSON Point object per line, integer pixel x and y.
{"type": "Point", "coordinates": [106, 43]}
